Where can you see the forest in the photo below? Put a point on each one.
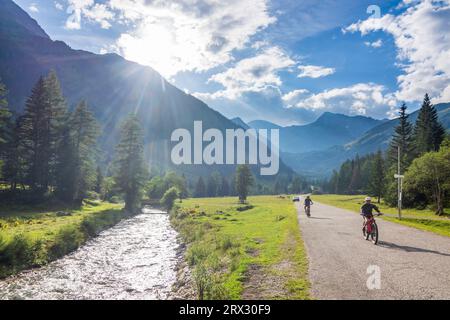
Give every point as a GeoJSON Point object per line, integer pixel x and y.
{"type": "Point", "coordinates": [424, 160]}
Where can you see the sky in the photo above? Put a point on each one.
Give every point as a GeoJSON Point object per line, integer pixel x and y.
{"type": "Point", "coordinates": [285, 61]}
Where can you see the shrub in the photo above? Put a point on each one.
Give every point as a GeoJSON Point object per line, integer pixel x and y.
{"type": "Point", "coordinates": [169, 198]}
{"type": "Point", "coordinates": [197, 253]}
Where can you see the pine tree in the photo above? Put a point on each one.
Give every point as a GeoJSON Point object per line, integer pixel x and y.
{"type": "Point", "coordinates": [130, 172]}
{"type": "Point", "coordinates": [428, 131]}
{"type": "Point", "coordinates": [66, 167]}
{"type": "Point", "coordinates": [225, 187]}
{"type": "Point", "coordinates": [377, 176]}
{"type": "Point", "coordinates": [200, 188]}
{"type": "Point", "coordinates": [244, 180]}
{"type": "Point", "coordinates": [5, 118]}
{"type": "Point", "coordinates": [57, 117]}
{"type": "Point", "coordinates": [41, 131]}
{"type": "Point", "coordinates": [403, 138]}
{"type": "Point", "coordinates": [11, 167]}
{"type": "Point", "coordinates": [86, 131]}
{"type": "Point", "coordinates": [296, 185]}
{"type": "Point", "coordinates": [34, 137]}
{"type": "Point", "coordinates": [99, 181]}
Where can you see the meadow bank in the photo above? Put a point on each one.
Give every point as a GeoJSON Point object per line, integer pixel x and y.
{"type": "Point", "coordinates": [33, 237]}
{"type": "Point", "coordinates": [243, 251]}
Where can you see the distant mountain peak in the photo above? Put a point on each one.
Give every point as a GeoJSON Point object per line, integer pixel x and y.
{"type": "Point", "coordinates": [241, 123]}
{"type": "Point", "coordinates": [263, 124]}
{"type": "Point", "coordinates": [18, 22]}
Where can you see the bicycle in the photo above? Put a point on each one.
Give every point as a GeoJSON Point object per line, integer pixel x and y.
{"type": "Point", "coordinates": [308, 211]}
{"type": "Point", "coordinates": [370, 230]}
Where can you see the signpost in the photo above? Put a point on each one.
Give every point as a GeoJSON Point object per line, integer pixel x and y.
{"type": "Point", "coordinates": [399, 177]}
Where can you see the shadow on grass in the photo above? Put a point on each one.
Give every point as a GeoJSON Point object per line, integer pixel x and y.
{"type": "Point", "coordinates": [394, 246]}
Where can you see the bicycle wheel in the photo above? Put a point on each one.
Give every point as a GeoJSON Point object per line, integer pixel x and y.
{"type": "Point", "coordinates": [374, 234]}
{"type": "Point", "coordinates": [366, 235]}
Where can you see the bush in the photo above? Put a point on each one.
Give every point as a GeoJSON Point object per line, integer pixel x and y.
{"type": "Point", "coordinates": [245, 208]}
{"type": "Point", "coordinates": [67, 240]}
{"type": "Point", "coordinates": [208, 285]}
{"type": "Point", "coordinates": [115, 199]}
{"type": "Point", "coordinates": [92, 195]}
{"type": "Point", "coordinates": [197, 253]}
{"type": "Point", "coordinates": [169, 198]}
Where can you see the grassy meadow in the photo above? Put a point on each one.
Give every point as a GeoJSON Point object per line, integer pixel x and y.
{"type": "Point", "coordinates": [31, 237]}
{"type": "Point", "coordinates": [248, 251]}
{"type": "Point", "coordinates": [421, 219]}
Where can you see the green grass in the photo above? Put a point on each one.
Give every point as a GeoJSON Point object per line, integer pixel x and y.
{"type": "Point", "coordinates": [224, 242]}
{"type": "Point", "coordinates": [421, 219]}
{"type": "Point", "coordinates": [31, 237]}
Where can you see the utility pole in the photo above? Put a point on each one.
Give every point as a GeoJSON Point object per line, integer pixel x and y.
{"type": "Point", "coordinates": [399, 177]}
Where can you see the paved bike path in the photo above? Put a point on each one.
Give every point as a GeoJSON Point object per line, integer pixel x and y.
{"type": "Point", "coordinates": [413, 264]}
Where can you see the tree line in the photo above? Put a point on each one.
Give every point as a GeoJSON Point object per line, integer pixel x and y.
{"type": "Point", "coordinates": [50, 153]}
{"type": "Point", "coordinates": [424, 160]}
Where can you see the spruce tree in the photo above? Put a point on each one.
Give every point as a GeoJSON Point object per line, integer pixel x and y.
{"type": "Point", "coordinates": [6, 122]}
{"type": "Point", "coordinates": [244, 180]}
{"type": "Point", "coordinates": [377, 176]}
{"type": "Point", "coordinates": [34, 137]}
{"type": "Point", "coordinates": [66, 167]}
{"type": "Point", "coordinates": [428, 131]}
{"type": "Point", "coordinates": [41, 131]}
{"type": "Point", "coordinates": [99, 181]}
{"type": "Point", "coordinates": [130, 174]}
{"type": "Point", "coordinates": [57, 115]}
{"type": "Point", "coordinates": [225, 187]}
{"type": "Point", "coordinates": [403, 138]}
{"type": "Point", "coordinates": [86, 131]}
{"type": "Point", "coordinates": [200, 188]}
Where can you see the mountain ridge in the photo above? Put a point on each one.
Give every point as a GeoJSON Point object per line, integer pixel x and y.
{"type": "Point", "coordinates": [322, 162]}
{"type": "Point", "coordinates": [112, 86]}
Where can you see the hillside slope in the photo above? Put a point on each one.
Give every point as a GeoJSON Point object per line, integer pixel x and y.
{"type": "Point", "coordinates": [112, 86]}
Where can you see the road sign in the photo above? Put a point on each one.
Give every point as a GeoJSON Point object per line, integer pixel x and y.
{"type": "Point", "coordinates": [398, 176]}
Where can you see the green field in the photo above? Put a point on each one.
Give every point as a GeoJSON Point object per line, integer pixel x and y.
{"type": "Point", "coordinates": [420, 219]}
{"type": "Point", "coordinates": [32, 237]}
{"type": "Point", "coordinates": [250, 251]}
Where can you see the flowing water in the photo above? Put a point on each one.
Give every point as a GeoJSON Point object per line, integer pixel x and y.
{"type": "Point", "coordinates": [135, 259]}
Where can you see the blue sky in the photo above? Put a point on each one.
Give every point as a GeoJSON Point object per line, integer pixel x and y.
{"type": "Point", "coordinates": [282, 61]}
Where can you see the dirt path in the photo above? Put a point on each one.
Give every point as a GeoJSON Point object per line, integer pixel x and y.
{"type": "Point", "coordinates": [412, 264]}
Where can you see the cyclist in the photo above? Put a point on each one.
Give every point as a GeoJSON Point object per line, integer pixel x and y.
{"type": "Point", "coordinates": [367, 210]}
{"type": "Point", "coordinates": [308, 203]}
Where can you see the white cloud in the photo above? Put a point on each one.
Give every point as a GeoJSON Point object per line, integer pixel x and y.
{"type": "Point", "coordinates": [88, 9]}
{"type": "Point", "coordinates": [254, 74]}
{"type": "Point", "coordinates": [293, 97]}
{"type": "Point", "coordinates": [177, 36]}
{"type": "Point", "coordinates": [33, 8]}
{"type": "Point", "coordinates": [375, 44]}
{"type": "Point", "coordinates": [314, 71]}
{"type": "Point", "coordinates": [359, 99]}
{"type": "Point", "coordinates": [421, 35]}
{"type": "Point", "coordinates": [58, 6]}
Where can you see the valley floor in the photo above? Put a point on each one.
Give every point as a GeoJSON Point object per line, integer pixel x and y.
{"type": "Point", "coordinates": [252, 251]}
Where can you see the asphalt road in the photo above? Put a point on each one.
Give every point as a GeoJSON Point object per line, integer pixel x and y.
{"type": "Point", "coordinates": [406, 264]}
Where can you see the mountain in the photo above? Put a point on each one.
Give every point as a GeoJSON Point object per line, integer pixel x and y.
{"type": "Point", "coordinates": [261, 124]}
{"type": "Point", "coordinates": [239, 122]}
{"type": "Point", "coordinates": [322, 162]}
{"type": "Point", "coordinates": [328, 130]}
{"type": "Point", "coordinates": [112, 86]}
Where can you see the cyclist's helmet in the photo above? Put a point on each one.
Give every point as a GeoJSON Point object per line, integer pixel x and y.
{"type": "Point", "coordinates": [368, 199]}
